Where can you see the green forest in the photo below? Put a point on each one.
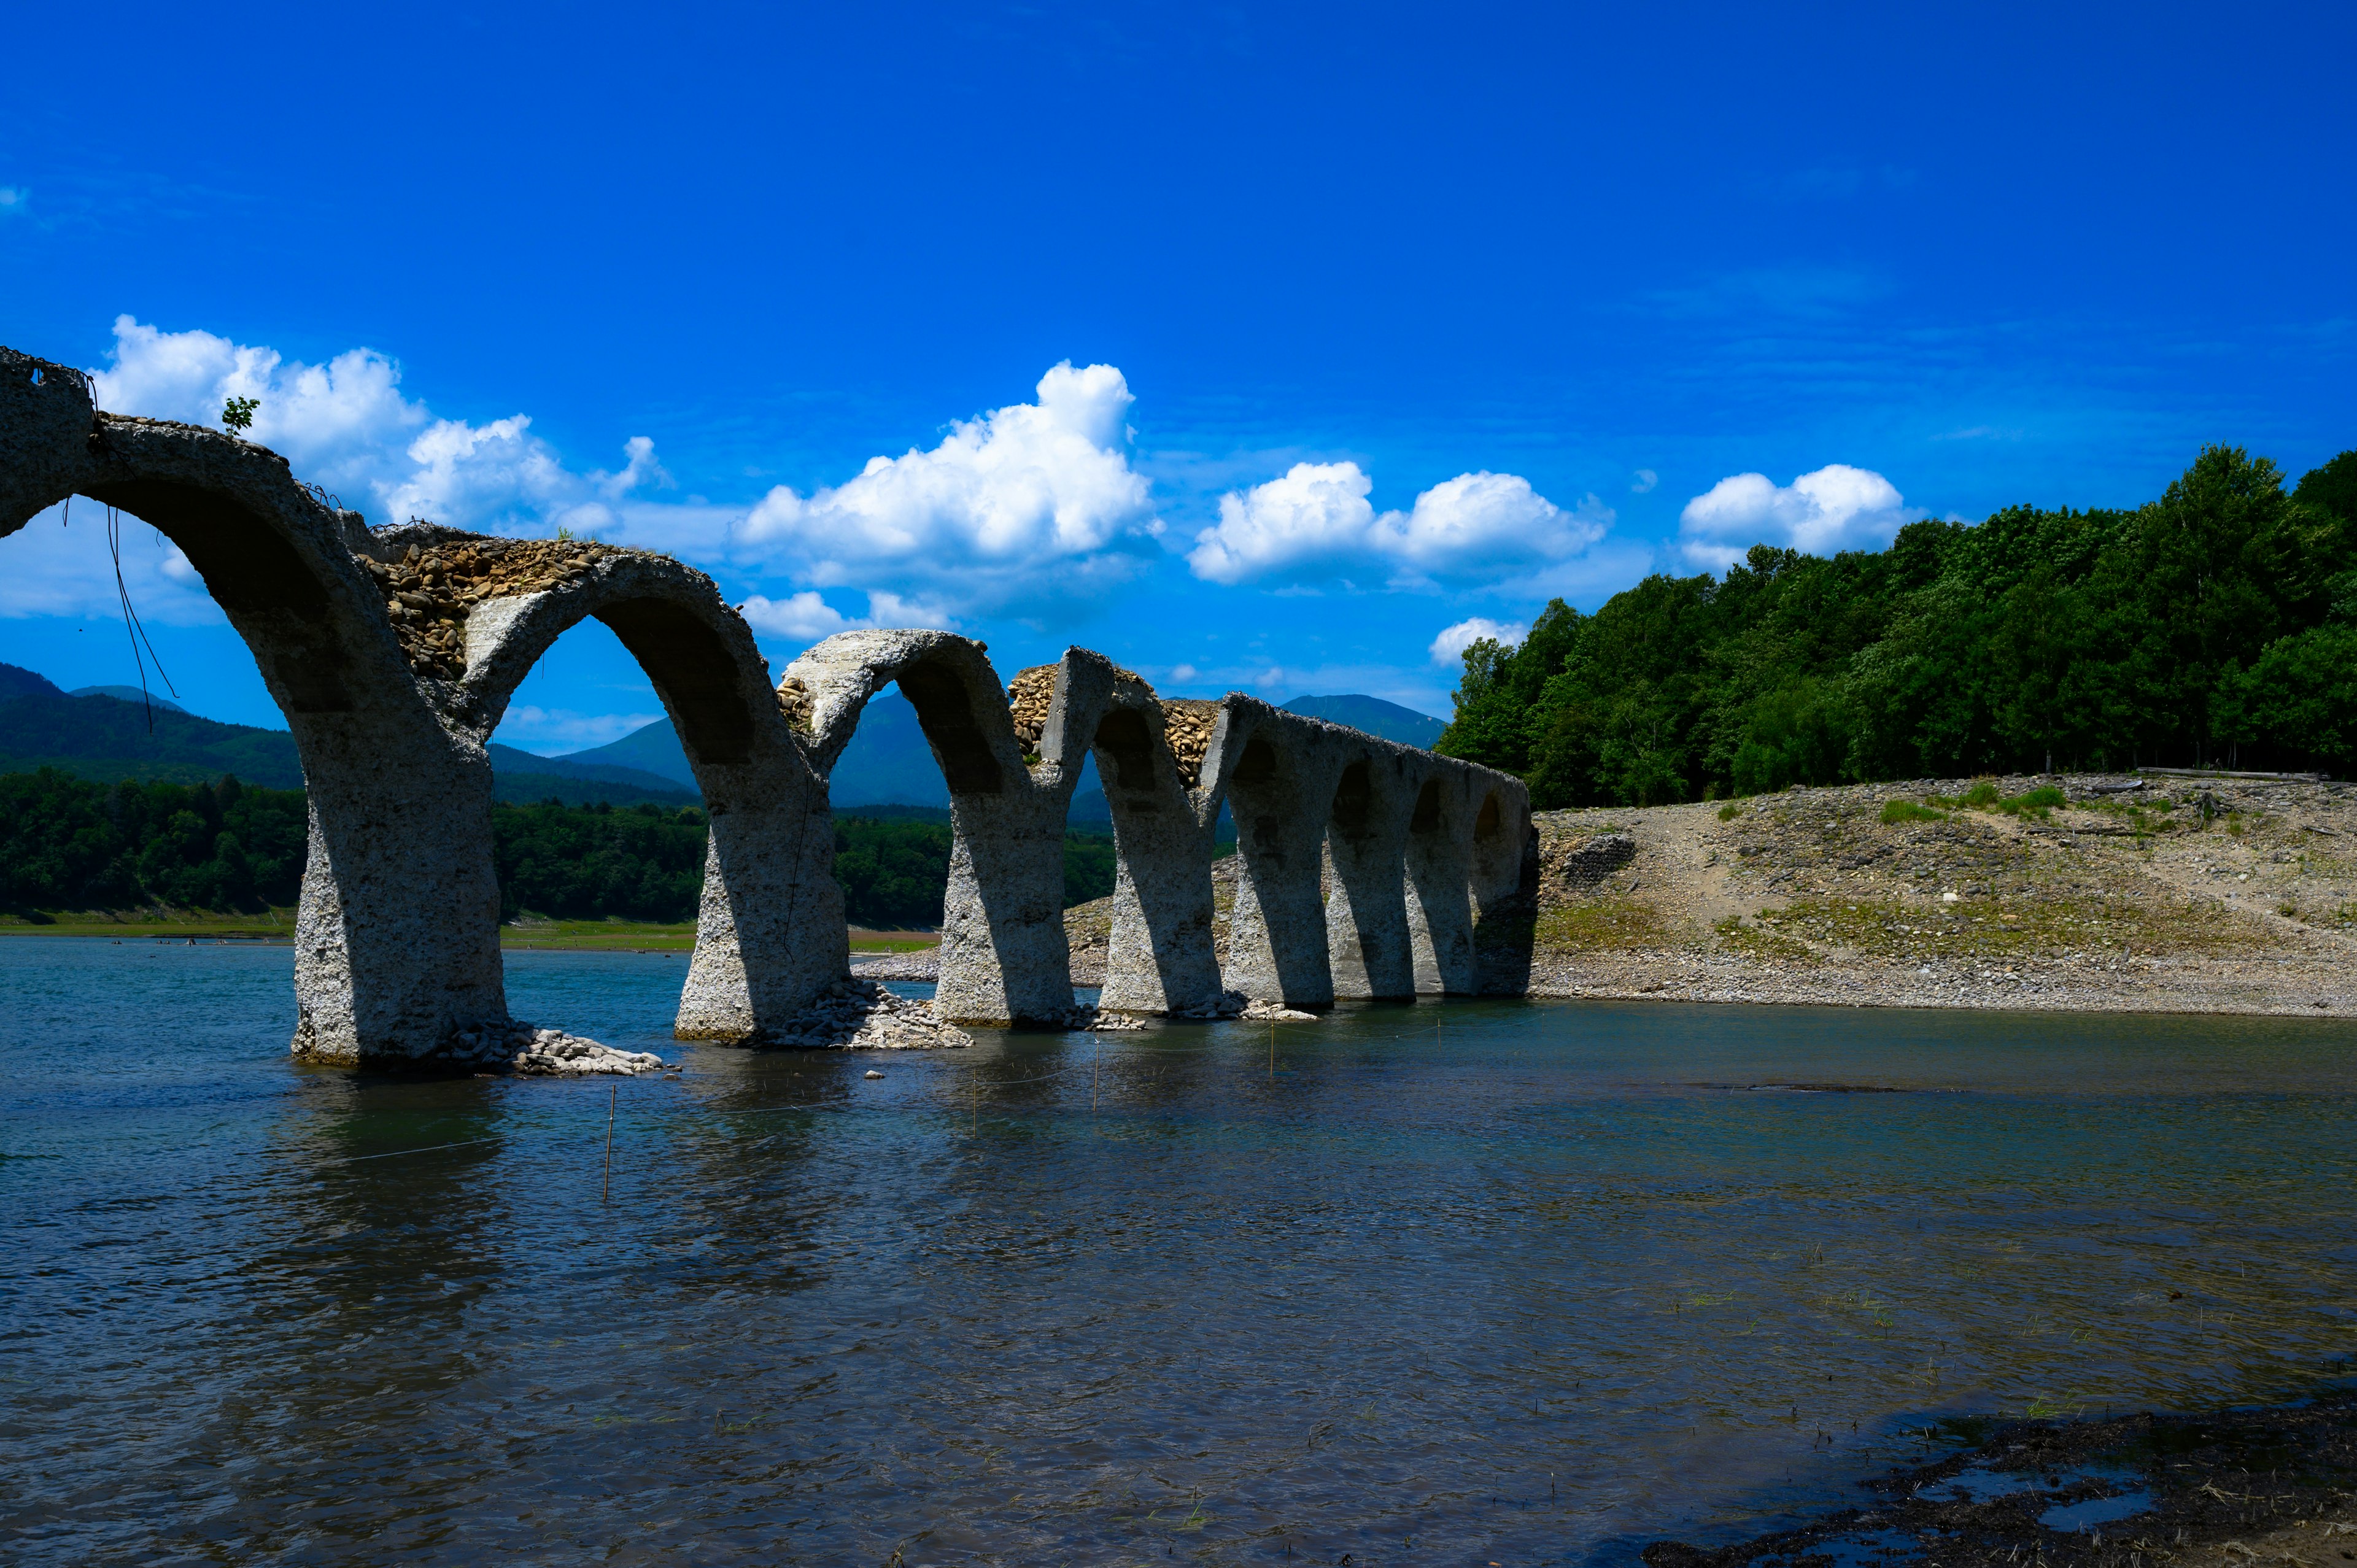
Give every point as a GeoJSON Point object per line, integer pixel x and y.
{"type": "Point", "coordinates": [70, 844]}
{"type": "Point", "coordinates": [2214, 626]}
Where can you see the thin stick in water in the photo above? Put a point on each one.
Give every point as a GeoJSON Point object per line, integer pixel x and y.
{"type": "Point", "coordinates": [613, 1093]}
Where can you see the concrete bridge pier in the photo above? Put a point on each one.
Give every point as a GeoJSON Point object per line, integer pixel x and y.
{"type": "Point", "coordinates": [1366, 905]}
{"type": "Point", "coordinates": [1282, 794]}
{"type": "Point", "coordinates": [1161, 957]}
{"type": "Point", "coordinates": [397, 950]}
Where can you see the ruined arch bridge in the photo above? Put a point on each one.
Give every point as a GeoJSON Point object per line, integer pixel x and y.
{"type": "Point", "coordinates": [394, 652]}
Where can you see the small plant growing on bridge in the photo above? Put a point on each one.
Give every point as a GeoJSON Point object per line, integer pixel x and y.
{"type": "Point", "coordinates": [237, 413]}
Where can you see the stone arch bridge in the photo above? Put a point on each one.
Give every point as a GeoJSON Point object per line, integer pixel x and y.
{"type": "Point", "coordinates": [394, 652]}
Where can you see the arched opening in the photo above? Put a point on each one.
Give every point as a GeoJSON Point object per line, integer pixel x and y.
{"type": "Point", "coordinates": [1426, 816]}
{"type": "Point", "coordinates": [599, 815]}
{"type": "Point", "coordinates": [1488, 822]}
{"type": "Point", "coordinates": [945, 708]}
{"type": "Point", "coordinates": [1123, 736]}
{"type": "Point", "coordinates": [254, 574]}
{"type": "Point", "coordinates": [693, 671]}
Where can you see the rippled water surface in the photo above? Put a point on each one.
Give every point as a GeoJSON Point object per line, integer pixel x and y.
{"type": "Point", "coordinates": [1486, 1281]}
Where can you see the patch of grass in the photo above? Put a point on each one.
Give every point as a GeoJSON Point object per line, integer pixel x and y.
{"type": "Point", "coordinates": [1599, 925]}
{"type": "Point", "coordinates": [1761, 942]}
{"type": "Point", "coordinates": [1731, 810]}
{"type": "Point", "coordinates": [1986, 796]}
{"type": "Point", "coordinates": [1897, 812]}
{"type": "Point", "coordinates": [273, 924]}
{"type": "Point", "coordinates": [1988, 928]}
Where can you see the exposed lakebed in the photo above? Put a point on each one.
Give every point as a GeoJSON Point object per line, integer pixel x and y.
{"type": "Point", "coordinates": [1522, 1281]}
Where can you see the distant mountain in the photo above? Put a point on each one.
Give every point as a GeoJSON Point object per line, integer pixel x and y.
{"type": "Point", "coordinates": [127, 694]}
{"type": "Point", "coordinates": [1374, 715]}
{"type": "Point", "coordinates": [888, 762]}
{"type": "Point", "coordinates": [102, 737]}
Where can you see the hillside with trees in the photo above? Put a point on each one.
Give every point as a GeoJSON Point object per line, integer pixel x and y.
{"type": "Point", "coordinates": [2215, 625]}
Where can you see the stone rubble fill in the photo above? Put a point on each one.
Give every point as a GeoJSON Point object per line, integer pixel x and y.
{"type": "Point", "coordinates": [429, 588]}
{"type": "Point", "coordinates": [1187, 725]}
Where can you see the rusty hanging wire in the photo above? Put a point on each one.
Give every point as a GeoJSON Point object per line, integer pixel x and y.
{"type": "Point", "coordinates": [132, 626]}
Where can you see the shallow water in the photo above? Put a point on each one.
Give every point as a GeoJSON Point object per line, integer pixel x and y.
{"type": "Point", "coordinates": [1488, 1282]}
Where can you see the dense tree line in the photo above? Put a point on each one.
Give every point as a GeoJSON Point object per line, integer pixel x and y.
{"type": "Point", "coordinates": [68, 845]}
{"type": "Point", "coordinates": [2216, 626]}
{"type": "Point", "coordinates": [586, 862]}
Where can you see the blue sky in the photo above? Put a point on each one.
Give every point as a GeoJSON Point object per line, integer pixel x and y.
{"type": "Point", "coordinates": [1374, 322]}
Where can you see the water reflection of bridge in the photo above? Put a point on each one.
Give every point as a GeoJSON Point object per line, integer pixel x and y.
{"type": "Point", "coordinates": [394, 652]}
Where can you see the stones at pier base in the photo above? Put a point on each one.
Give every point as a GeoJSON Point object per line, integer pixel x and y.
{"type": "Point", "coordinates": [861, 1015]}
{"type": "Point", "coordinates": [1274, 1013]}
{"type": "Point", "coordinates": [520, 1047]}
{"type": "Point", "coordinates": [1098, 1021]}
{"type": "Point", "coordinates": [552, 1053]}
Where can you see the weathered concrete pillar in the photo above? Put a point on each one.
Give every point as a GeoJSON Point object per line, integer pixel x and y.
{"type": "Point", "coordinates": [1161, 957]}
{"type": "Point", "coordinates": [770, 930]}
{"type": "Point", "coordinates": [1439, 885]}
{"type": "Point", "coordinates": [1004, 958]}
{"type": "Point", "coordinates": [397, 938]}
{"type": "Point", "coordinates": [1366, 906]}
{"type": "Point", "coordinates": [1279, 780]}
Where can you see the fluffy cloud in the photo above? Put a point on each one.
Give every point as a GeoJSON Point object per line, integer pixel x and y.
{"type": "Point", "coordinates": [1835, 508]}
{"type": "Point", "coordinates": [1450, 645]}
{"type": "Point", "coordinates": [805, 618]}
{"type": "Point", "coordinates": [345, 425]}
{"type": "Point", "coordinates": [1314, 522]}
{"type": "Point", "coordinates": [1029, 503]}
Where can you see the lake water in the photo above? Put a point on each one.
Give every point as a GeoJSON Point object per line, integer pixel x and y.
{"type": "Point", "coordinates": [1482, 1282]}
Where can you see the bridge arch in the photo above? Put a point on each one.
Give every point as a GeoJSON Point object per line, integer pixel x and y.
{"type": "Point", "coordinates": [1004, 957]}
{"type": "Point", "coordinates": [769, 893]}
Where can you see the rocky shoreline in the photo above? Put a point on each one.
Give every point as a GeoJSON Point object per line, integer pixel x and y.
{"type": "Point", "coordinates": [2227, 1489]}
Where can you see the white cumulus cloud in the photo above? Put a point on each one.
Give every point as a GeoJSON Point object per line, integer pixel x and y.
{"type": "Point", "coordinates": [1314, 522]}
{"type": "Point", "coordinates": [1029, 503]}
{"type": "Point", "coordinates": [805, 618]}
{"type": "Point", "coordinates": [345, 425]}
{"type": "Point", "coordinates": [1835, 508]}
{"type": "Point", "coordinates": [1450, 645]}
